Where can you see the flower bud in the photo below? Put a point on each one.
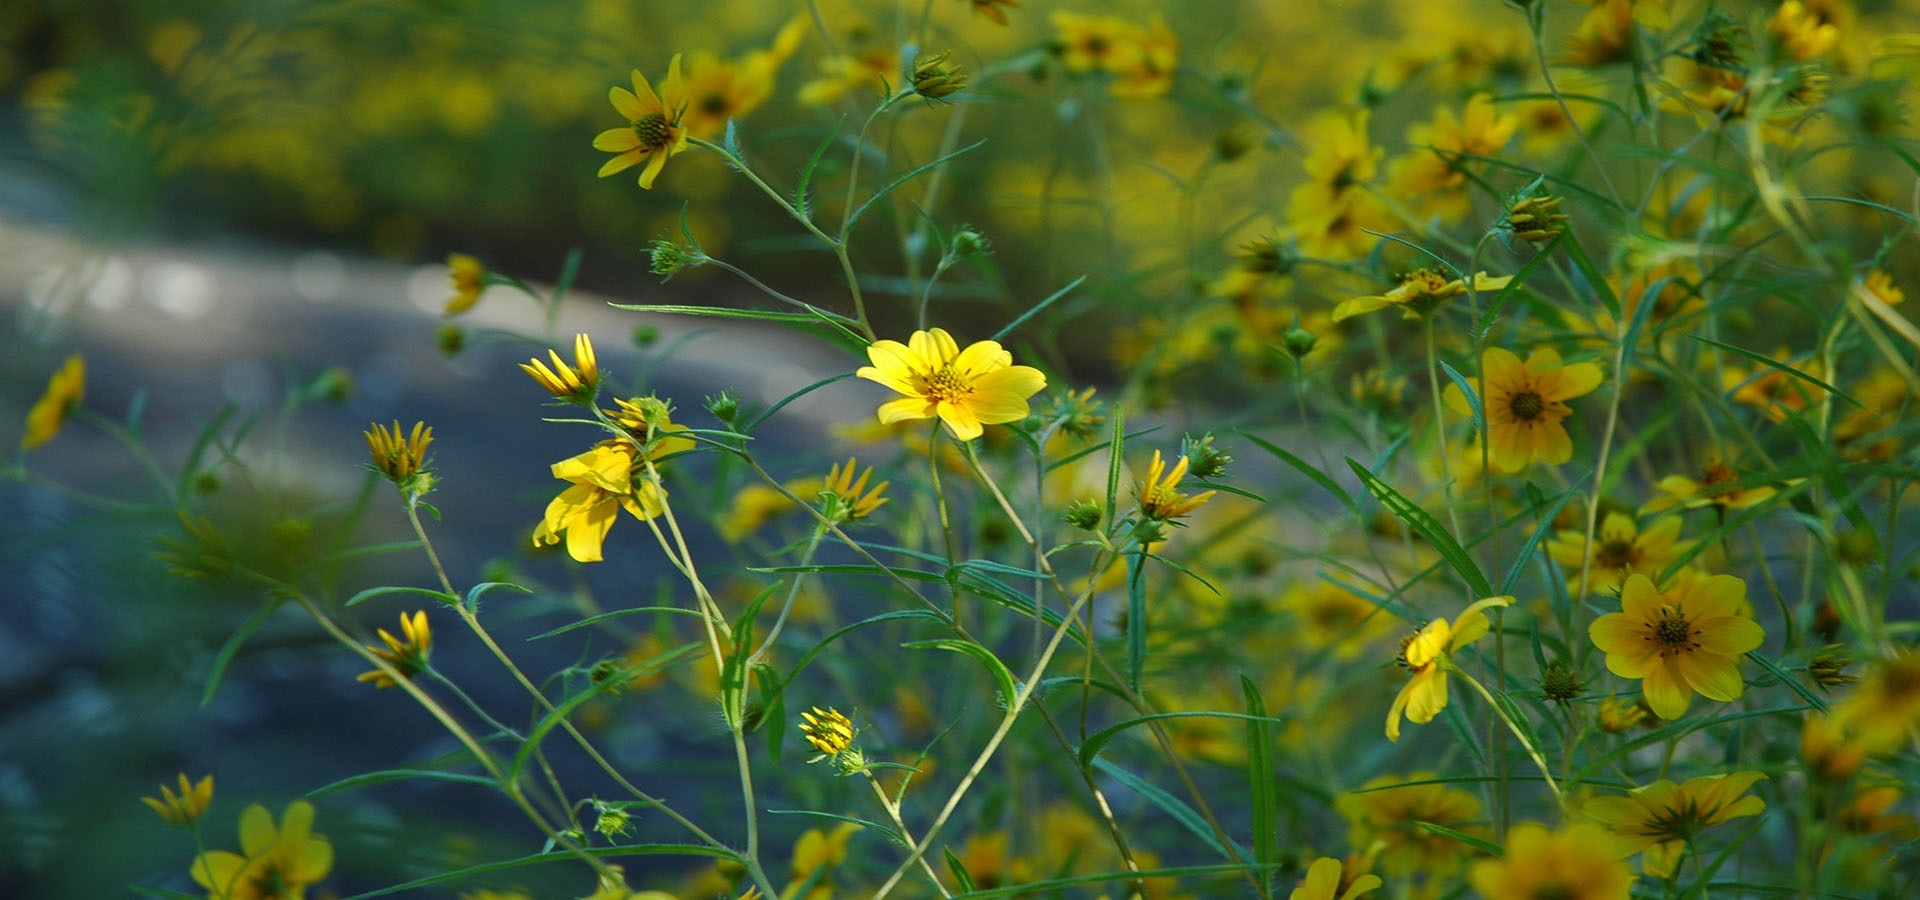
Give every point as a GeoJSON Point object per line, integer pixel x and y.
{"type": "Point", "coordinates": [934, 79]}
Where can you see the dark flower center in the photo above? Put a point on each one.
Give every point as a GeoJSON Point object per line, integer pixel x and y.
{"type": "Point", "coordinates": [1527, 405]}
{"type": "Point", "coordinates": [947, 384]}
{"type": "Point", "coordinates": [1673, 633]}
{"type": "Point", "coordinates": [653, 131]}
{"type": "Point", "coordinates": [1614, 555]}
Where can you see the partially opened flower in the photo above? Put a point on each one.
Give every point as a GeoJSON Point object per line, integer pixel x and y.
{"type": "Point", "coordinates": [966, 389]}
{"type": "Point", "coordinates": [573, 383]}
{"type": "Point", "coordinates": [654, 130]}
{"type": "Point", "coordinates": [1680, 642]}
{"type": "Point", "coordinates": [1160, 496]}
{"type": "Point", "coordinates": [1619, 549]}
{"type": "Point", "coordinates": [1420, 292]}
{"type": "Point", "coordinates": [469, 277]}
{"type": "Point", "coordinates": [407, 655]}
{"type": "Point", "coordinates": [182, 808]}
{"type": "Point", "coordinates": [1327, 880]}
{"type": "Point", "coordinates": [1428, 656]}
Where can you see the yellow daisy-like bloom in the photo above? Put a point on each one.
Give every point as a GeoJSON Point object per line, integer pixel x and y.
{"type": "Point", "coordinates": [1882, 713]}
{"type": "Point", "coordinates": [1688, 640]}
{"type": "Point", "coordinates": [1420, 292]}
{"type": "Point", "coordinates": [1525, 404]}
{"type": "Point", "coordinates": [396, 457]}
{"type": "Point", "coordinates": [1324, 882]}
{"type": "Point", "coordinates": [273, 863]}
{"type": "Point", "coordinates": [1328, 615]}
{"type": "Point", "coordinates": [1661, 817]}
{"type": "Point", "coordinates": [1574, 863]}
{"type": "Point", "coordinates": [469, 277]}
{"type": "Point", "coordinates": [182, 808]}
{"type": "Point", "coordinates": [719, 90]}
{"type": "Point", "coordinates": [1088, 43]}
{"type": "Point", "coordinates": [654, 129]}
{"type": "Point", "coordinates": [1159, 495]}
{"type": "Point", "coordinates": [64, 391]}
{"type": "Point", "coordinates": [603, 483]}
{"type": "Point", "coordinates": [966, 389]}
{"type": "Point", "coordinates": [1428, 655]}
{"type": "Point", "coordinates": [1386, 810]}
{"type": "Point", "coordinates": [1620, 549]}
{"type": "Point", "coordinates": [407, 655]}
{"type": "Point", "coordinates": [852, 499]}
{"type": "Point", "coordinates": [575, 383]}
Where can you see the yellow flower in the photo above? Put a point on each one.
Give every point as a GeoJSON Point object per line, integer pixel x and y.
{"type": "Point", "coordinates": [1435, 169]}
{"type": "Point", "coordinates": [1428, 655]}
{"type": "Point", "coordinates": [1802, 32]}
{"type": "Point", "coordinates": [407, 656]}
{"type": "Point", "coordinates": [1661, 817]}
{"type": "Point", "coordinates": [719, 90]}
{"type": "Point", "coordinates": [1881, 286]}
{"type": "Point", "coordinates": [1160, 497]}
{"type": "Point", "coordinates": [62, 397]}
{"type": "Point", "coordinates": [990, 9]}
{"type": "Point", "coordinates": [852, 500]}
{"type": "Point", "coordinates": [1420, 292]}
{"type": "Point", "coordinates": [1773, 391]}
{"type": "Point", "coordinates": [1688, 640]}
{"type": "Point", "coordinates": [965, 388]}
{"type": "Point", "coordinates": [1525, 404]}
{"type": "Point", "coordinates": [989, 861]}
{"type": "Point", "coordinates": [828, 731]}
{"type": "Point", "coordinates": [1616, 717]}
{"type": "Point", "coordinates": [188, 805]}
{"type": "Point", "coordinates": [1621, 549]}
{"type": "Point", "coordinates": [469, 276]}
{"type": "Point", "coordinates": [603, 483]}
{"type": "Point", "coordinates": [400, 459]}
{"type": "Point", "coordinates": [1324, 882]}
{"type": "Point", "coordinates": [877, 67]}
{"type": "Point", "coordinates": [1145, 64]}
{"type": "Point", "coordinates": [1571, 864]}
{"type": "Point", "coordinates": [575, 383]}
{"type": "Point", "coordinates": [1712, 489]}
{"type": "Point", "coordinates": [273, 863]}
{"type": "Point", "coordinates": [1089, 43]}
{"type": "Point", "coordinates": [1387, 810]}
{"type": "Point", "coordinates": [1881, 715]}
{"type": "Point", "coordinates": [1331, 615]}
{"type": "Point", "coordinates": [654, 129]}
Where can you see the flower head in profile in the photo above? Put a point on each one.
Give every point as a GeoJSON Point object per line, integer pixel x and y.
{"type": "Point", "coordinates": [1525, 404]}
{"type": "Point", "coordinates": [1680, 642]}
{"type": "Point", "coordinates": [1662, 817]}
{"type": "Point", "coordinates": [1160, 496]}
{"type": "Point", "coordinates": [851, 498]}
{"type": "Point", "coordinates": [1718, 486]}
{"type": "Point", "coordinates": [603, 484]}
{"type": "Point", "coordinates": [573, 383]}
{"type": "Point", "coordinates": [991, 9]}
{"type": "Point", "coordinates": [274, 863]}
{"type": "Point", "coordinates": [1574, 863]}
{"type": "Point", "coordinates": [1327, 880]}
{"type": "Point", "coordinates": [469, 277]}
{"type": "Point", "coordinates": [654, 130]}
{"type": "Point", "coordinates": [966, 389]}
{"type": "Point", "coordinates": [1428, 656]}
{"type": "Point", "coordinates": [407, 655]}
{"type": "Point", "coordinates": [401, 459]}
{"type": "Point", "coordinates": [182, 808]}
{"type": "Point", "coordinates": [1420, 292]}
{"type": "Point", "coordinates": [830, 733]}
{"type": "Point", "coordinates": [61, 398]}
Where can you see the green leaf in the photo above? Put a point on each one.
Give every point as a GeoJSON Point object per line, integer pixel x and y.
{"type": "Point", "coordinates": [1596, 279]}
{"type": "Point", "coordinates": [910, 174]}
{"type": "Point", "coordinates": [1173, 806]}
{"type": "Point", "coordinates": [721, 312]}
{"type": "Point", "coordinates": [773, 707]}
{"type": "Point", "coordinates": [995, 667]}
{"type": "Point", "coordinates": [800, 201]}
{"type": "Point", "coordinates": [1300, 465]}
{"type": "Point", "coordinates": [1492, 315]}
{"type": "Point", "coordinates": [1428, 527]}
{"type": "Point", "coordinates": [1532, 543]}
{"type": "Point", "coordinates": [383, 591]}
{"type": "Point", "coordinates": [1115, 462]}
{"type": "Point", "coordinates": [387, 775]}
{"type": "Point", "coordinates": [1136, 619]}
{"type": "Point", "coordinates": [1037, 307]}
{"type": "Point", "coordinates": [569, 270]}
{"type": "Point", "coordinates": [1473, 396]}
{"type": "Point", "coordinates": [1793, 684]}
{"type": "Point", "coordinates": [1480, 844]}
{"type": "Point", "coordinates": [224, 658]}
{"type": "Point", "coordinates": [959, 870]}
{"type": "Point", "coordinates": [1260, 779]}
{"type": "Point", "coordinates": [1097, 741]}
{"type": "Point", "coordinates": [618, 613]}
{"type": "Point", "coordinates": [474, 593]}
{"type": "Point", "coordinates": [782, 404]}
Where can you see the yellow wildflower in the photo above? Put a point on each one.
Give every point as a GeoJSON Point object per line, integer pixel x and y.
{"type": "Point", "coordinates": [1803, 33]}
{"type": "Point", "coordinates": [1387, 809]}
{"type": "Point", "coordinates": [1881, 286]}
{"type": "Point", "coordinates": [574, 384]}
{"type": "Point", "coordinates": [1881, 714]}
{"type": "Point", "coordinates": [1326, 614]}
{"type": "Point", "coordinates": [469, 277]}
{"type": "Point", "coordinates": [966, 389]}
{"type": "Point", "coordinates": [1428, 656]}
{"type": "Point", "coordinates": [1660, 818]}
{"type": "Point", "coordinates": [408, 655]}
{"type": "Point", "coordinates": [1324, 882]}
{"type": "Point", "coordinates": [1773, 391]}
{"type": "Point", "coordinates": [62, 397]}
{"type": "Point", "coordinates": [1525, 404]}
{"type": "Point", "coordinates": [603, 484]}
{"type": "Point", "coordinates": [828, 731]}
{"type": "Point", "coordinates": [274, 863]}
{"type": "Point", "coordinates": [1571, 864]}
{"type": "Point", "coordinates": [1713, 488]}
{"type": "Point", "coordinates": [400, 459]}
{"type": "Point", "coordinates": [1420, 292]}
{"type": "Point", "coordinates": [1684, 641]}
{"type": "Point", "coordinates": [852, 499]}
{"type": "Point", "coordinates": [1160, 497]}
{"type": "Point", "coordinates": [878, 68]}
{"type": "Point", "coordinates": [654, 129]}
{"type": "Point", "coordinates": [190, 804]}
{"type": "Point", "coordinates": [1620, 549]}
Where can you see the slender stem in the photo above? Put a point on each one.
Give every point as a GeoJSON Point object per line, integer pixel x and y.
{"type": "Point", "coordinates": [893, 812]}
{"type": "Point", "coordinates": [471, 704]}
{"type": "Point", "coordinates": [793, 594]}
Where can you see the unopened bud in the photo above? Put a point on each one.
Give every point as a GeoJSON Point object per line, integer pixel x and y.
{"type": "Point", "coordinates": [934, 79]}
